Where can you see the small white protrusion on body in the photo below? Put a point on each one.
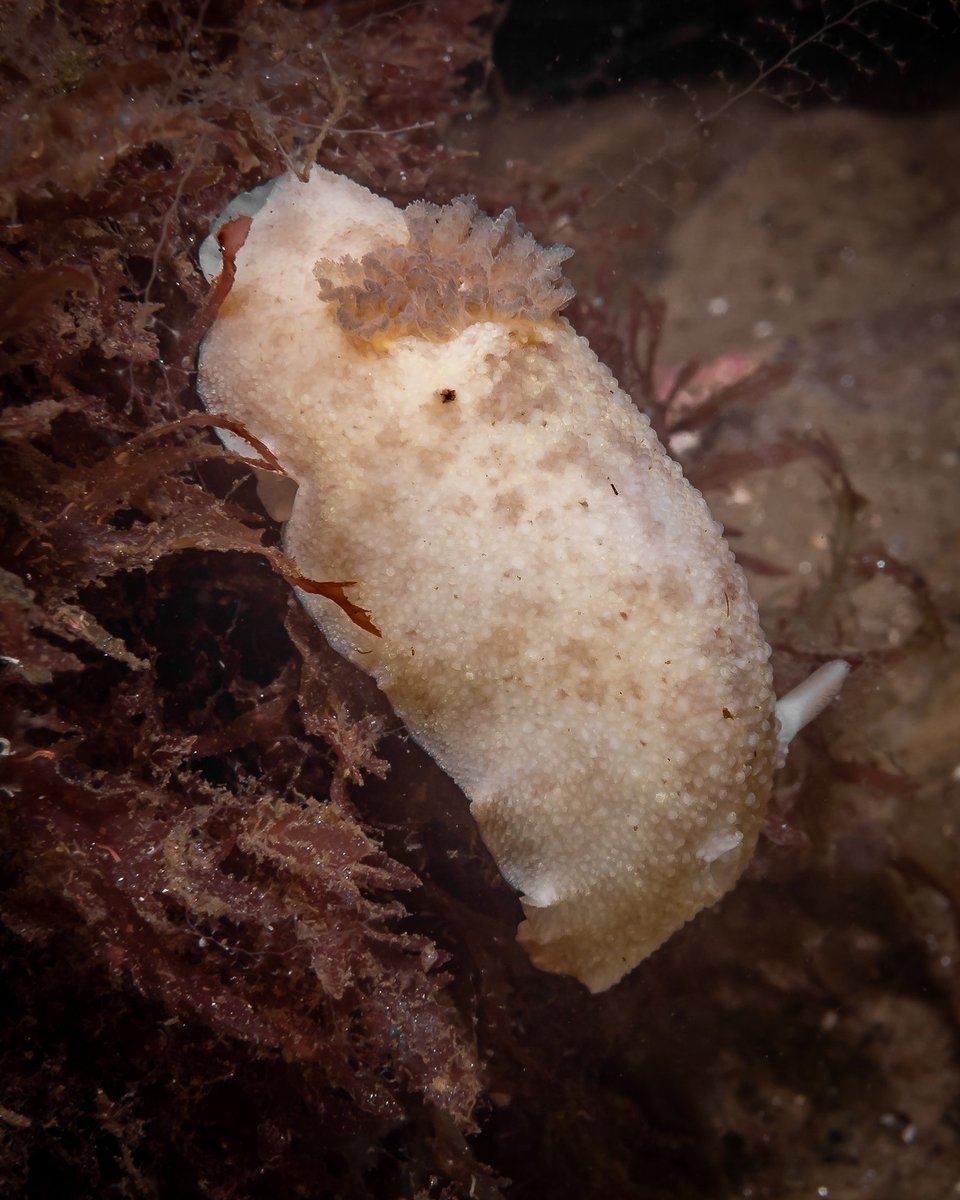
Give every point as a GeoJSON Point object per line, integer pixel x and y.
{"type": "Point", "coordinates": [808, 700]}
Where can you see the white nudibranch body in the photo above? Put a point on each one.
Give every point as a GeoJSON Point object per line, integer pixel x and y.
{"type": "Point", "coordinates": [563, 627]}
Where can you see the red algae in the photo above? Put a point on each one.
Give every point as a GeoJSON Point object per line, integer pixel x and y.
{"type": "Point", "coordinates": [189, 890]}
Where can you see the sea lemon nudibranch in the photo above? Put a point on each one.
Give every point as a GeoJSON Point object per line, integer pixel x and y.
{"type": "Point", "coordinates": [563, 626]}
